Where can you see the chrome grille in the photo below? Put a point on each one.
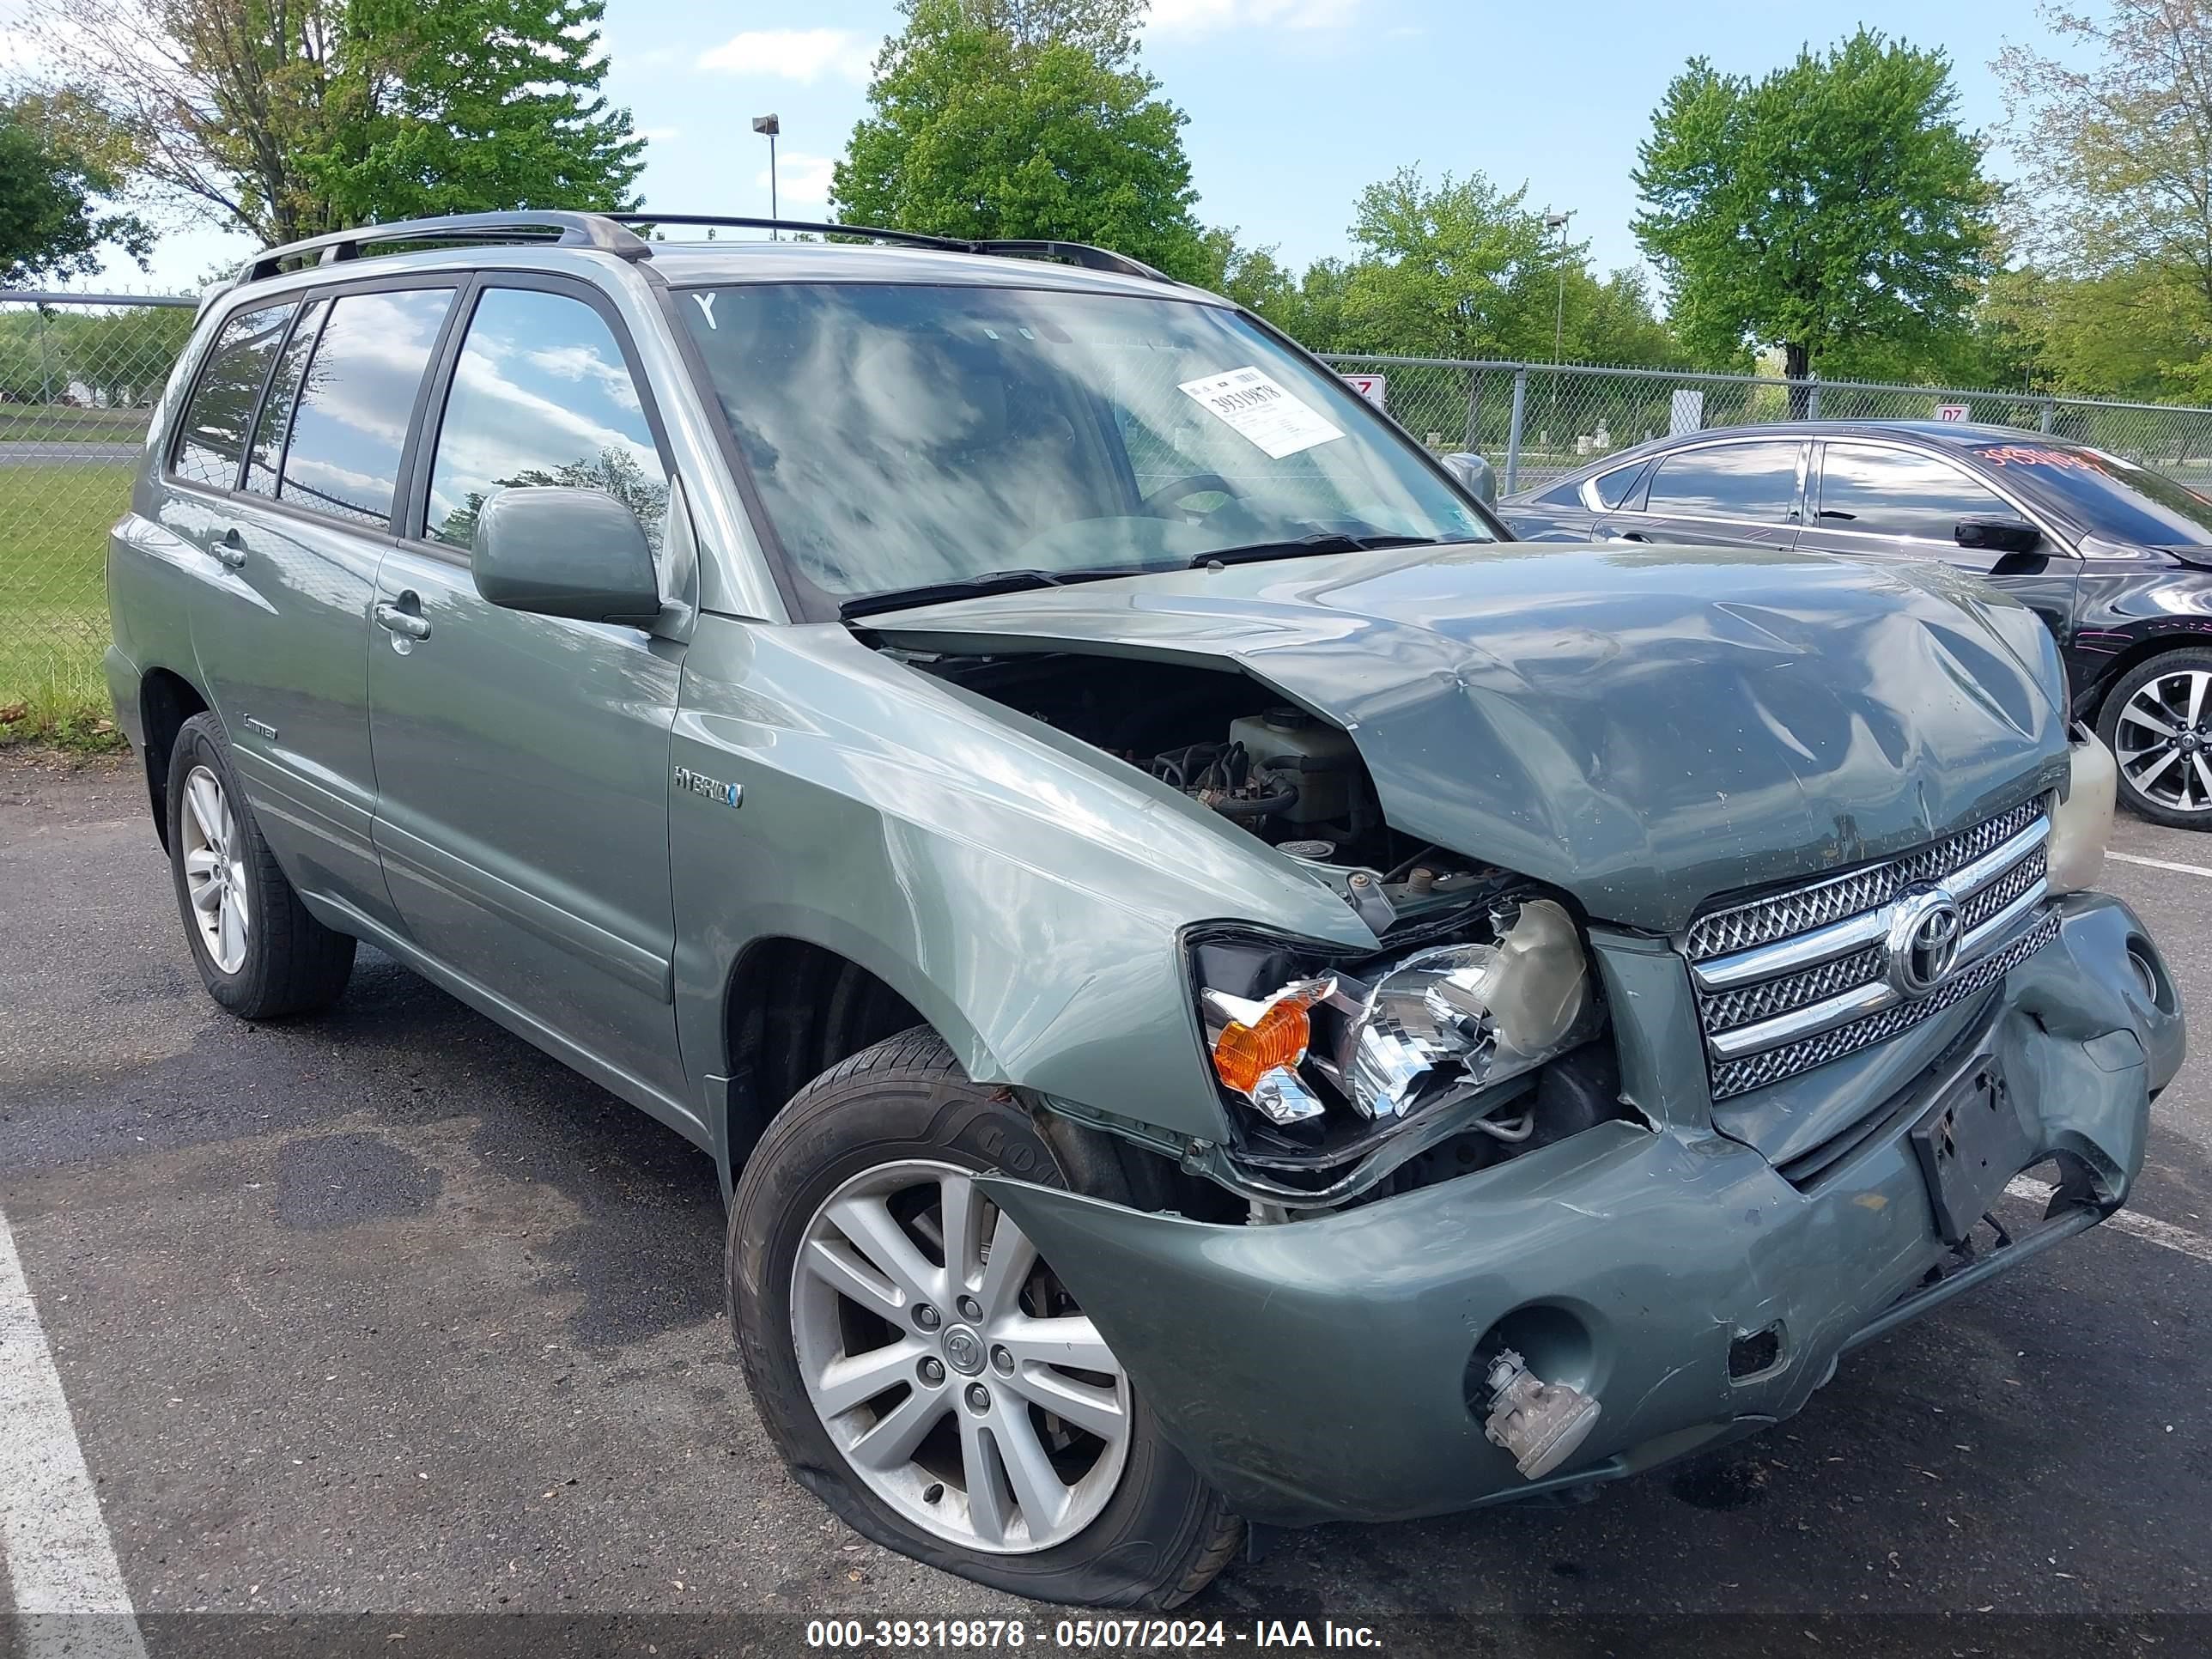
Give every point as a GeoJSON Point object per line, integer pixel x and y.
{"type": "Point", "coordinates": [1947, 857]}
{"type": "Point", "coordinates": [1763, 920]}
{"type": "Point", "coordinates": [1796, 912]}
{"type": "Point", "coordinates": [1737, 1076]}
{"type": "Point", "coordinates": [1978, 908]}
{"type": "Point", "coordinates": [1753, 1003]}
{"type": "Point", "coordinates": [1789, 981]}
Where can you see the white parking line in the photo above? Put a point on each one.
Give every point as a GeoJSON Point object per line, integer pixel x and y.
{"type": "Point", "coordinates": [2127, 1221]}
{"type": "Point", "coordinates": [2162, 864]}
{"type": "Point", "coordinates": [59, 1557]}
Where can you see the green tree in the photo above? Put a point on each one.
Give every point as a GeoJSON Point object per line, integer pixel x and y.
{"type": "Point", "coordinates": [1835, 202]}
{"type": "Point", "coordinates": [1023, 119]}
{"type": "Point", "coordinates": [53, 179]}
{"type": "Point", "coordinates": [1460, 269]}
{"type": "Point", "coordinates": [1612, 321]}
{"type": "Point", "coordinates": [468, 104]}
{"type": "Point", "coordinates": [291, 117]}
{"type": "Point", "coordinates": [1253, 276]}
{"type": "Point", "coordinates": [2135, 332]}
{"type": "Point", "coordinates": [2115, 139]}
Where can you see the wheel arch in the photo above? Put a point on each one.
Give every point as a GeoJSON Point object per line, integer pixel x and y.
{"type": "Point", "coordinates": [2091, 703]}
{"type": "Point", "coordinates": [166, 700]}
{"type": "Point", "coordinates": [792, 1009]}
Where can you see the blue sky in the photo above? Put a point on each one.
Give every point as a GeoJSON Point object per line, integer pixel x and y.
{"type": "Point", "coordinates": [1294, 105]}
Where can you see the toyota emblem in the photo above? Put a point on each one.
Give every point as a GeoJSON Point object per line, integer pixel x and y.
{"type": "Point", "coordinates": [1923, 944]}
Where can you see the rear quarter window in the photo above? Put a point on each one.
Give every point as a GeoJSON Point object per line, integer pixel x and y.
{"type": "Point", "coordinates": [211, 441]}
{"type": "Point", "coordinates": [1615, 487]}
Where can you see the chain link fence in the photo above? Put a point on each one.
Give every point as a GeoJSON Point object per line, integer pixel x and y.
{"type": "Point", "coordinates": [80, 375]}
{"type": "Point", "coordinates": [1534, 421]}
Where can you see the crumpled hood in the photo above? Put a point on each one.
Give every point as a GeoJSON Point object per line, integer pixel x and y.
{"type": "Point", "coordinates": [1643, 726]}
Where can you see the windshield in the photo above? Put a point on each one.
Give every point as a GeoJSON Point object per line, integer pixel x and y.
{"type": "Point", "coordinates": [2114, 497]}
{"type": "Point", "coordinates": [906, 437]}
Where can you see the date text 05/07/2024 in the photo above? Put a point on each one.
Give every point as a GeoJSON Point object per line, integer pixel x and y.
{"type": "Point", "coordinates": [1165, 1635]}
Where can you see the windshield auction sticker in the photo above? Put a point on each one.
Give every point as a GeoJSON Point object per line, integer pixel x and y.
{"type": "Point", "coordinates": [1261, 410]}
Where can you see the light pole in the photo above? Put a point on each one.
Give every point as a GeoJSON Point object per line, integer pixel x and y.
{"type": "Point", "coordinates": [1559, 221]}
{"type": "Point", "coordinates": [769, 126]}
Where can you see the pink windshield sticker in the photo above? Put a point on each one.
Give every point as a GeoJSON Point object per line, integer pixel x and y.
{"type": "Point", "coordinates": [2036, 455]}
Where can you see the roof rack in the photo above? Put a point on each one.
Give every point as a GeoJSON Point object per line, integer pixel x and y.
{"type": "Point", "coordinates": [611, 232]}
{"type": "Point", "coordinates": [562, 229]}
{"type": "Point", "coordinates": [1075, 253]}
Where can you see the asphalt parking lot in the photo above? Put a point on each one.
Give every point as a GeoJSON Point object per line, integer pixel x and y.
{"type": "Point", "coordinates": [384, 1312]}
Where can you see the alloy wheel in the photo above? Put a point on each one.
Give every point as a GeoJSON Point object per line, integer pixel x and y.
{"type": "Point", "coordinates": [2164, 741]}
{"type": "Point", "coordinates": [952, 1370]}
{"type": "Point", "coordinates": [214, 870]}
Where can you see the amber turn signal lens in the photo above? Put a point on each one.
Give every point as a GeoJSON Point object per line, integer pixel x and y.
{"type": "Point", "coordinates": [1242, 1055]}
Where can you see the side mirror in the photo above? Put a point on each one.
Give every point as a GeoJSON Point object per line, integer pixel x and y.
{"type": "Point", "coordinates": [1996, 535]}
{"type": "Point", "coordinates": [561, 552]}
{"type": "Point", "coordinates": [1475, 476]}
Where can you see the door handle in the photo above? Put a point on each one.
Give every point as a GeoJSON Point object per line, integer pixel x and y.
{"type": "Point", "coordinates": [231, 549]}
{"type": "Point", "coordinates": [398, 619]}
{"type": "Point", "coordinates": [1634, 536]}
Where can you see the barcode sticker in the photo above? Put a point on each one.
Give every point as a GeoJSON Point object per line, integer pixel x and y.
{"type": "Point", "coordinates": [1260, 410]}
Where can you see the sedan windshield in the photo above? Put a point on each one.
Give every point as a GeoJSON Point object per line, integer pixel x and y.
{"type": "Point", "coordinates": [907, 438]}
{"type": "Point", "coordinates": [2114, 497]}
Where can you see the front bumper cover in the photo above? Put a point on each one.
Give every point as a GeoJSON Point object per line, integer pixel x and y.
{"type": "Point", "coordinates": [1318, 1370]}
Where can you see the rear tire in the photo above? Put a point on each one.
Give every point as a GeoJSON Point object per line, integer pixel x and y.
{"type": "Point", "coordinates": [259, 952]}
{"type": "Point", "coordinates": [2165, 757]}
{"type": "Point", "coordinates": [882, 1138]}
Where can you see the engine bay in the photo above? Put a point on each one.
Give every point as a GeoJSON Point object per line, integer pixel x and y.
{"type": "Point", "coordinates": [1236, 748]}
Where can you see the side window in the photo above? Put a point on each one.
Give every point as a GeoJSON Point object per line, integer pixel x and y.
{"type": "Point", "coordinates": [213, 438]}
{"type": "Point", "coordinates": [1562, 494]}
{"type": "Point", "coordinates": [1892, 492]}
{"type": "Point", "coordinates": [1757, 481]}
{"type": "Point", "coordinates": [541, 396]}
{"type": "Point", "coordinates": [1615, 487]}
{"type": "Point", "coordinates": [350, 421]}
{"type": "Point", "coordinates": [275, 421]}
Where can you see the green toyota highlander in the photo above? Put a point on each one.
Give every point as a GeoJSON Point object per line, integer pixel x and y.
{"type": "Point", "coordinates": [1221, 988]}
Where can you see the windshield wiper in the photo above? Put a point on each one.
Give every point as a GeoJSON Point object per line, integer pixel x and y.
{"type": "Point", "coordinates": [1321, 541]}
{"type": "Point", "coordinates": [967, 587]}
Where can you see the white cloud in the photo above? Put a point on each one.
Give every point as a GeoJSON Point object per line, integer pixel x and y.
{"type": "Point", "coordinates": [800, 177]}
{"type": "Point", "coordinates": [660, 134]}
{"type": "Point", "coordinates": [1206, 16]}
{"type": "Point", "coordinates": [801, 55]}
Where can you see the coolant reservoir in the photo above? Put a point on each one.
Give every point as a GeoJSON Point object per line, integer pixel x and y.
{"type": "Point", "coordinates": [1327, 771]}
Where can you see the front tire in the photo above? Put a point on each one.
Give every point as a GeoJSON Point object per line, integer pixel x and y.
{"type": "Point", "coordinates": [2157, 721]}
{"type": "Point", "coordinates": [259, 952]}
{"type": "Point", "coordinates": [924, 1373]}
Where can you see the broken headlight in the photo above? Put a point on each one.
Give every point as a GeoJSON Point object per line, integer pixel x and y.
{"type": "Point", "coordinates": [1386, 1036]}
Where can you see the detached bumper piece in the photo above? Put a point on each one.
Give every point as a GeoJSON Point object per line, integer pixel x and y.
{"type": "Point", "coordinates": [1542, 1424]}
{"type": "Point", "coordinates": [1437, 1350]}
